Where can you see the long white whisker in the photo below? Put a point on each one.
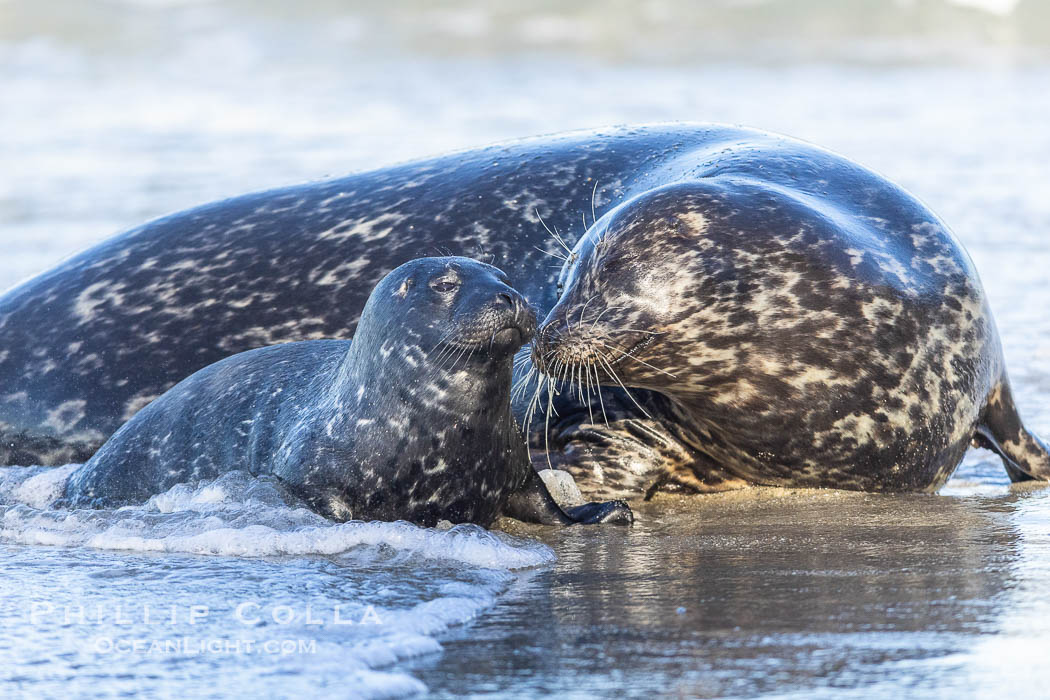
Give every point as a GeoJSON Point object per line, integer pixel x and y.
{"type": "Point", "coordinates": [594, 191]}
{"type": "Point", "coordinates": [559, 256]}
{"type": "Point", "coordinates": [597, 382]}
{"type": "Point", "coordinates": [583, 310]}
{"type": "Point", "coordinates": [643, 362]}
{"type": "Point", "coordinates": [612, 373]}
{"type": "Point", "coordinates": [557, 236]}
{"type": "Point", "coordinates": [547, 428]}
{"type": "Point", "coordinates": [606, 310]}
{"type": "Point", "coordinates": [530, 410]}
{"type": "Point", "coordinates": [635, 330]}
{"type": "Point", "coordinates": [522, 384]}
{"type": "Point", "coordinates": [590, 409]}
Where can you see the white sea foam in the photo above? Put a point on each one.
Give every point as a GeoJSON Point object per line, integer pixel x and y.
{"type": "Point", "coordinates": [34, 486]}
{"type": "Point", "coordinates": [417, 581]}
{"type": "Point", "coordinates": [235, 515]}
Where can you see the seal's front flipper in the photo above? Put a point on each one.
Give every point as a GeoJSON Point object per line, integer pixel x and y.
{"type": "Point", "coordinates": [612, 512]}
{"type": "Point", "coordinates": [1025, 455]}
{"type": "Point", "coordinates": [616, 449]}
{"type": "Point", "coordinates": [533, 503]}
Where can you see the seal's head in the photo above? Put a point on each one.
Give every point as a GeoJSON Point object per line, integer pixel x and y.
{"type": "Point", "coordinates": [452, 305]}
{"type": "Point", "coordinates": [631, 292]}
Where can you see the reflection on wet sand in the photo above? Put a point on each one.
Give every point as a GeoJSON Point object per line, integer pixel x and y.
{"type": "Point", "coordinates": [766, 591]}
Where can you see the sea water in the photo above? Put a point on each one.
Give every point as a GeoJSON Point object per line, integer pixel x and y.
{"type": "Point", "coordinates": [227, 586]}
{"type": "Point", "coordinates": [112, 113]}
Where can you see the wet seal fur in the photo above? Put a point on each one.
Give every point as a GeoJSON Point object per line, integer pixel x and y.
{"type": "Point", "coordinates": [410, 420]}
{"type": "Point", "coordinates": [812, 327]}
{"type": "Point", "coordinates": [86, 345]}
{"type": "Point", "coordinates": [825, 291]}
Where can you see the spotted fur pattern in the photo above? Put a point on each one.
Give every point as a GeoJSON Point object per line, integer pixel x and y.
{"type": "Point", "coordinates": [811, 325]}
{"type": "Point", "coordinates": [88, 344]}
{"type": "Point", "coordinates": [817, 283]}
{"type": "Point", "coordinates": [411, 420]}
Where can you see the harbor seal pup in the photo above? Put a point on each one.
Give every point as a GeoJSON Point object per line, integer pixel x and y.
{"type": "Point", "coordinates": [780, 333]}
{"type": "Point", "coordinates": [410, 420]}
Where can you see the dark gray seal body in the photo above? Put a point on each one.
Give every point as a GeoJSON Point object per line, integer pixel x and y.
{"type": "Point", "coordinates": [409, 421]}
{"type": "Point", "coordinates": [85, 346]}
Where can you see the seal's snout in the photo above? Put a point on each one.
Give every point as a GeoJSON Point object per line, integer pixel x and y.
{"type": "Point", "coordinates": [524, 317]}
{"type": "Point", "coordinates": [544, 347]}
{"type": "Point", "coordinates": [562, 348]}
{"type": "Point", "coordinates": [500, 320]}
{"type": "Point", "coordinates": [517, 317]}
{"type": "Point", "coordinates": [558, 345]}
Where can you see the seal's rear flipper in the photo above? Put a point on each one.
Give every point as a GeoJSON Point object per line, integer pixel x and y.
{"type": "Point", "coordinates": [1025, 455]}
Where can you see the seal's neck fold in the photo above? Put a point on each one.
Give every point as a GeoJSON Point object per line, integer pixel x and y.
{"type": "Point", "coordinates": [392, 374]}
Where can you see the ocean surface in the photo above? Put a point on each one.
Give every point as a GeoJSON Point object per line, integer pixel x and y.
{"type": "Point", "coordinates": [113, 112]}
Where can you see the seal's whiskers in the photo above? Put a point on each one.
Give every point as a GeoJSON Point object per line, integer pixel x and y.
{"type": "Point", "coordinates": [639, 361]}
{"type": "Point", "coordinates": [594, 191]}
{"type": "Point", "coordinates": [557, 236]}
{"type": "Point", "coordinates": [604, 311]}
{"type": "Point", "coordinates": [559, 256]}
{"type": "Point", "coordinates": [601, 401]}
{"type": "Point", "coordinates": [612, 373]}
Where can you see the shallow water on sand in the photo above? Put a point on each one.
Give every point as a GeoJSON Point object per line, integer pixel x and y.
{"type": "Point", "coordinates": [229, 586]}
{"type": "Point", "coordinates": [773, 592]}
{"type": "Point", "coordinates": [116, 112]}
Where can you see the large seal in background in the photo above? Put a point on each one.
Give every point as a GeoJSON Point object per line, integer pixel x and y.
{"type": "Point", "coordinates": [85, 346]}
{"type": "Point", "coordinates": [409, 421]}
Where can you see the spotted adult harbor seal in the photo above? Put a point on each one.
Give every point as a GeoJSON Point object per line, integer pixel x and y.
{"type": "Point", "coordinates": [86, 345]}
{"type": "Point", "coordinates": [410, 420]}
{"type": "Point", "coordinates": [785, 335]}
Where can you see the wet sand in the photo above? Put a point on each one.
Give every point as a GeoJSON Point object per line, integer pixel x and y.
{"type": "Point", "coordinates": [807, 593]}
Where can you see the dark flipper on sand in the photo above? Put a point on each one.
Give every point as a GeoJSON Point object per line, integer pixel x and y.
{"type": "Point", "coordinates": [1025, 456]}
{"type": "Point", "coordinates": [533, 503]}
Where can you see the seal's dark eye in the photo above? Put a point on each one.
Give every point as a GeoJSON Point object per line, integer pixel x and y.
{"type": "Point", "coordinates": [444, 286]}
